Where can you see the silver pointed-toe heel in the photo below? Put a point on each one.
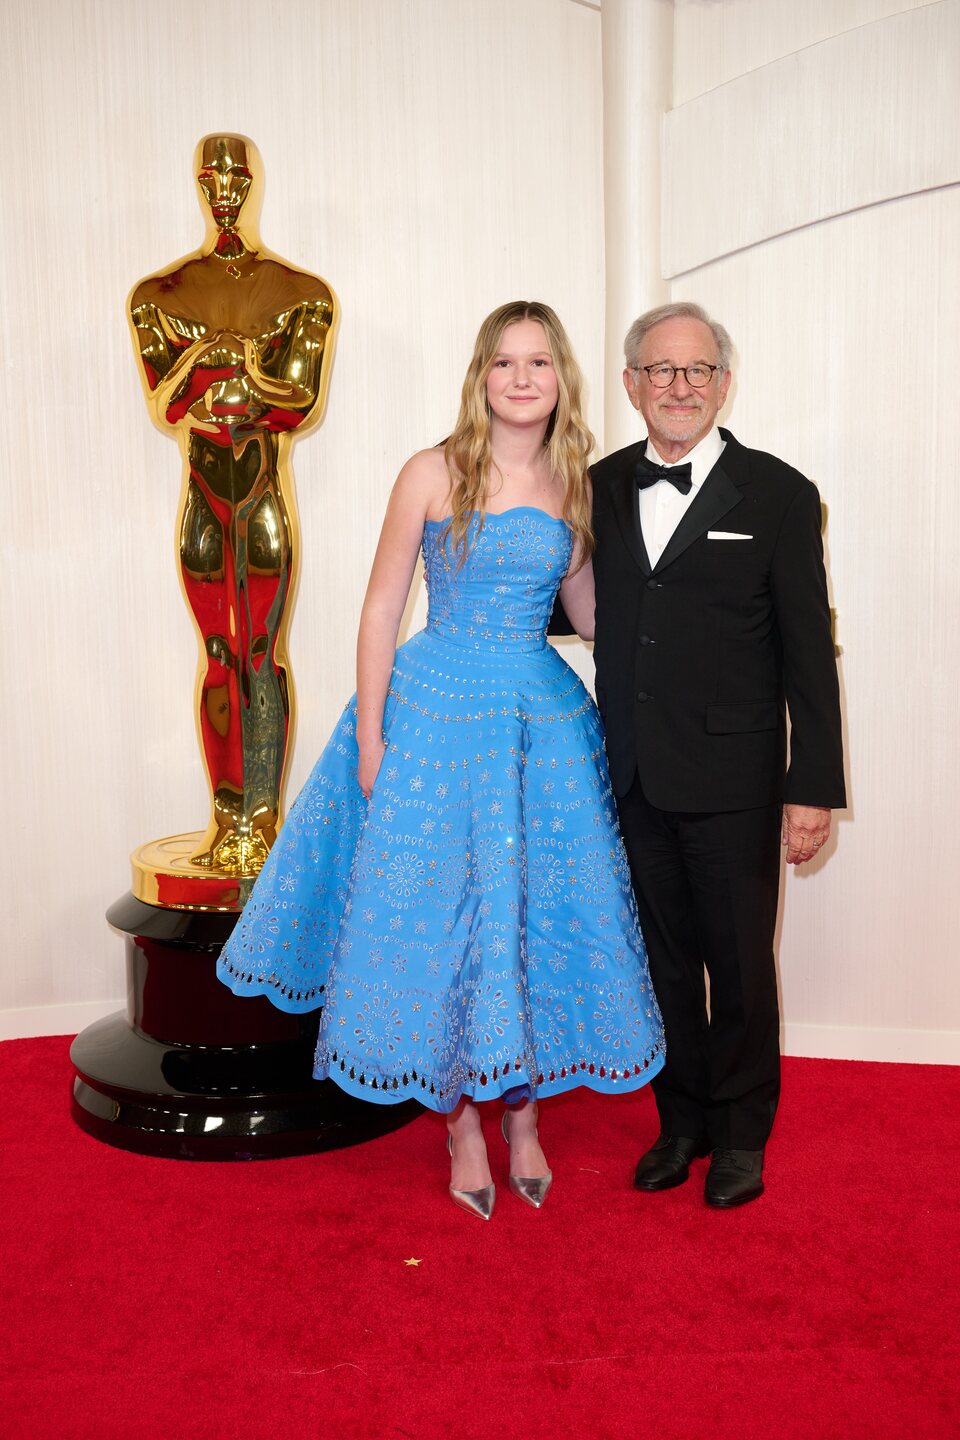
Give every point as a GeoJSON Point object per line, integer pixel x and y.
{"type": "Point", "coordinates": [478, 1202]}
{"type": "Point", "coordinates": [532, 1189]}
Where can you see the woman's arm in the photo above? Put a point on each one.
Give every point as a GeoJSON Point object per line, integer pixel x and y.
{"type": "Point", "coordinates": [387, 590]}
{"type": "Point", "coordinates": [578, 601]}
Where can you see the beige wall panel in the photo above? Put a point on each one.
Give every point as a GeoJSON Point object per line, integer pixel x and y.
{"type": "Point", "coordinates": [847, 337]}
{"type": "Point", "coordinates": [408, 165]}
{"type": "Point", "coordinates": [848, 342]}
{"type": "Point", "coordinates": [637, 64]}
{"type": "Point", "coordinates": [865, 116]}
{"type": "Point", "coordinates": [717, 40]}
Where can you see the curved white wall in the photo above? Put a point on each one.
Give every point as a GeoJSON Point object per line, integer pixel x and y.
{"type": "Point", "coordinates": [720, 40]}
{"type": "Point", "coordinates": [864, 116]}
{"type": "Point", "coordinates": [868, 932]}
{"type": "Point", "coordinates": [846, 327]}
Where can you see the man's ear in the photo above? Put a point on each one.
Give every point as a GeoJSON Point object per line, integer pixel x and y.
{"type": "Point", "coordinates": [630, 385]}
{"type": "Point", "coordinates": [724, 387]}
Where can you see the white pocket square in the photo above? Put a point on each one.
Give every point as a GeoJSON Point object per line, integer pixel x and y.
{"type": "Point", "coordinates": [726, 535]}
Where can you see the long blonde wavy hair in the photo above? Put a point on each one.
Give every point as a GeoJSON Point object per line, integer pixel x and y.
{"type": "Point", "coordinates": [567, 441]}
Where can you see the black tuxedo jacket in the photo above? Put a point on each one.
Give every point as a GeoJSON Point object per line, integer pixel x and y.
{"type": "Point", "coordinates": [699, 657]}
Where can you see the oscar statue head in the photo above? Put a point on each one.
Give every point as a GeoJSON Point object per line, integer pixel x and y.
{"type": "Point", "coordinates": [229, 175]}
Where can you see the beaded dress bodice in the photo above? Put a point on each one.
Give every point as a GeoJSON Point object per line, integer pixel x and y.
{"type": "Point", "coordinates": [502, 595]}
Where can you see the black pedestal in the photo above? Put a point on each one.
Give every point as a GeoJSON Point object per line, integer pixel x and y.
{"type": "Point", "coordinates": [192, 1071]}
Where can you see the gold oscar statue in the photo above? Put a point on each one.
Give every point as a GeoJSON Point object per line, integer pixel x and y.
{"type": "Point", "coordinates": [235, 347]}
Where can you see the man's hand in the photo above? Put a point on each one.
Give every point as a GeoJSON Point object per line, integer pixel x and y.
{"type": "Point", "coordinates": [805, 831]}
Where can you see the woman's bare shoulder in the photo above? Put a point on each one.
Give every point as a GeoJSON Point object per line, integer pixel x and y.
{"type": "Point", "coordinates": [425, 480]}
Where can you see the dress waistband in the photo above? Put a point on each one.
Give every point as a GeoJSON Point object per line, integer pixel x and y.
{"type": "Point", "coordinates": [488, 638]}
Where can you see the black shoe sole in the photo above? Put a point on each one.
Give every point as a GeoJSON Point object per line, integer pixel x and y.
{"type": "Point", "coordinates": [731, 1204]}
{"type": "Point", "coordinates": [652, 1185]}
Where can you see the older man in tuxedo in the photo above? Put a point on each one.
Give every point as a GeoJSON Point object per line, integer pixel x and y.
{"type": "Point", "coordinates": [712, 624]}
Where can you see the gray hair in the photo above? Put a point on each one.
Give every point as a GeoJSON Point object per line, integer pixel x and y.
{"type": "Point", "coordinates": [680, 310]}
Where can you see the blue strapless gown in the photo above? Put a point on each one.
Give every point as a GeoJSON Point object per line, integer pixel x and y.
{"type": "Point", "coordinates": [471, 930]}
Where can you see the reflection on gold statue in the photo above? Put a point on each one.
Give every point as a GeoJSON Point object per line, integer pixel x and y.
{"type": "Point", "coordinates": [235, 347]}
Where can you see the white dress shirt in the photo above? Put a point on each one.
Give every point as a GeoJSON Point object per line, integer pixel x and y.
{"type": "Point", "coordinates": [662, 506]}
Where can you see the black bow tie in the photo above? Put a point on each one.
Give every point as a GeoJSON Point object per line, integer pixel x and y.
{"type": "Point", "coordinates": [647, 474]}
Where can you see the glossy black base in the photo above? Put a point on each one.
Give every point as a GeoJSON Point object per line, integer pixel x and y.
{"type": "Point", "coordinates": [194, 1072]}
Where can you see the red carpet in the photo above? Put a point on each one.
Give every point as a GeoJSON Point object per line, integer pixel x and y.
{"type": "Point", "coordinates": [155, 1298]}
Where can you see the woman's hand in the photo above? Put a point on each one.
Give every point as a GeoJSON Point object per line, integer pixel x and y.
{"type": "Point", "coordinates": [371, 755]}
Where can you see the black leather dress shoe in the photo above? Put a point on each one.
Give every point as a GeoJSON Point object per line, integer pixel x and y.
{"type": "Point", "coordinates": [667, 1162]}
{"type": "Point", "coordinates": [733, 1178]}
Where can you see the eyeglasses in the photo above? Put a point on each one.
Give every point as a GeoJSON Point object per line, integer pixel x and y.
{"type": "Point", "coordinates": [663, 376]}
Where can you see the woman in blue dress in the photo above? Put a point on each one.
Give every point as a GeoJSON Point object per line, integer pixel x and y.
{"type": "Point", "coordinates": [450, 889]}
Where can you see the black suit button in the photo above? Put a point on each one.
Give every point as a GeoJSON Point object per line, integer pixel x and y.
{"type": "Point", "coordinates": [645, 640]}
{"type": "Point", "coordinates": [642, 696]}
{"type": "Point", "coordinates": [654, 585]}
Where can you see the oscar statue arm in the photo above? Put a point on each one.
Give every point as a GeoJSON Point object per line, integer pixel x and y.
{"type": "Point", "coordinates": [289, 367]}
{"type": "Point", "coordinates": [171, 355]}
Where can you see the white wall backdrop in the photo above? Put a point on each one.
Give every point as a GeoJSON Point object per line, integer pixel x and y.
{"type": "Point", "coordinates": [863, 116]}
{"type": "Point", "coordinates": [847, 330]}
{"type": "Point", "coordinates": [432, 158]}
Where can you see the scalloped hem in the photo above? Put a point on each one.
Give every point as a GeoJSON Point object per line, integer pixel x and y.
{"type": "Point", "coordinates": [505, 1089]}
{"type": "Point", "coordinates": [248, 989]}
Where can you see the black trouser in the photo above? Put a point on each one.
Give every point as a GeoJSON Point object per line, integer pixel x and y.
{"type": "Point", "coordinates": [707, 888]}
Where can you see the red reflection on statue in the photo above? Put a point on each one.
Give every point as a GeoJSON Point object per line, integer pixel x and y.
{"type": "Point", "coordinates": [235, 351]}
